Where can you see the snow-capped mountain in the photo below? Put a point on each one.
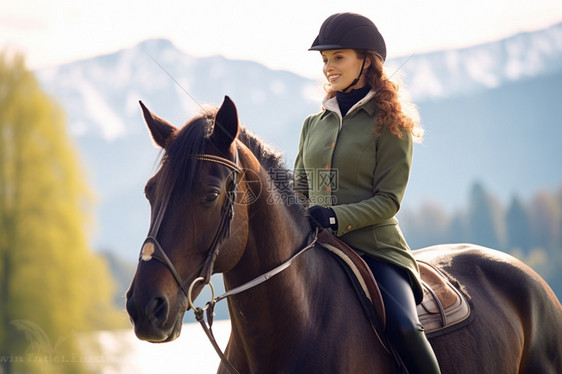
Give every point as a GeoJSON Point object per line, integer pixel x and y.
{"type": "Point", "coordinates": [101, 94]}
{"type": "Point", "coordinates": [449, 73]}
{"type": "Point", "coordinates": [491, 113]}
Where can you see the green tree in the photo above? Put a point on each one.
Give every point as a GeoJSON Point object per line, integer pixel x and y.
{"type": "Point", "coordinates": [518, 227]}
{"type": "Point", "coordinates": [457, 232]}
{"type": "Point", "coordinates": [558, 241]}
{"type": "Point", "coordinates": [51, 284]}
{"type": "Point", "coordinates": [545, 217]}
{"type": "Point", "coordinates": [484, 218]}
{"type": "Point", "coordinates": [428, 226]}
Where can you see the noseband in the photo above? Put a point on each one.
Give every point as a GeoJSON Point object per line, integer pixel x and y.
{"type": "Point", "coordinates": [151, 248]}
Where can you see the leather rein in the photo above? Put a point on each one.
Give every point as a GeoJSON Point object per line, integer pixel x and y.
{"type": "Point", "coordinates": [151, 248]}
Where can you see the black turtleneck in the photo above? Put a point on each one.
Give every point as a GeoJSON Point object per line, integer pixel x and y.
{"type": "Point", "coordinates": [348, 99]}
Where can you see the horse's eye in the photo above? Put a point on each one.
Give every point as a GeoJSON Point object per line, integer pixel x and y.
{"type": "Point", "coordinates": [211, 196]}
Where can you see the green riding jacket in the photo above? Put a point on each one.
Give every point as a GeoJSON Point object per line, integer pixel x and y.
{"type": "Point", "coordinates": [362, 176]}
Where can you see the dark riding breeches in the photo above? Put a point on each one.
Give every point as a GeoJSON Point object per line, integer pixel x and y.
{"type": "Point", "coordinates": [403, 327]}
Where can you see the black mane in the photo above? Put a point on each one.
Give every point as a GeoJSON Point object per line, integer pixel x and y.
{"type": "Point", "coordinates": [190, 140]}
{"type": "Point", "coordinates": [269, 158]}
{"type": "Point", "coordinates": [272, 162]}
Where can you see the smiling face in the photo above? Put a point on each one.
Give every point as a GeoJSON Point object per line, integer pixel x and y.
{"type": "Point", "coordinates": [341, 68]}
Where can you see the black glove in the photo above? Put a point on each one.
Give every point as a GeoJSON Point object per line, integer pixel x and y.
{"type": "Point", "coordinates": [322, 217]}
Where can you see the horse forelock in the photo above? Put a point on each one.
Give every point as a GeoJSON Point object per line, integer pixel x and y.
{"type": "Point", "coordinates": [179, 168]}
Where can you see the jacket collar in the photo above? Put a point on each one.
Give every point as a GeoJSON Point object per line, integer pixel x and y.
{"type": "Point", "coordinates": [331, 105]}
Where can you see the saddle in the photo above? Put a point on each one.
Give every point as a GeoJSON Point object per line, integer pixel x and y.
{"type": "Point", "coordinates": [443, 308]}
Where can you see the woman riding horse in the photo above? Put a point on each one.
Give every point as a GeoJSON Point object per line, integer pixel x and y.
{"type": "Point", "coordinates": [363, 141]}
{"type": "Point", "coordinates": [305, 319]}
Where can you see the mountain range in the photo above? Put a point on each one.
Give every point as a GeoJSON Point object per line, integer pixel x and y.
{"type": "Point", "coordinates": [491, 112]}
{"type": "Point", "coordinates": [466, 71]}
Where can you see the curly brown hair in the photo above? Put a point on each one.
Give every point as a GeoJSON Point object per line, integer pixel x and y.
{"type": "Point", "coordinates": [390, 112]}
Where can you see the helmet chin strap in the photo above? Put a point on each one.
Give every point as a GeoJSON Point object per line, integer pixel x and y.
{"type": "Point", "coordinates": [358, 77]}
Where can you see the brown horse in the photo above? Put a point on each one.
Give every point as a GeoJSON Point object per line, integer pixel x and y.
{"type": "Point", "coordinates": [222, 203]}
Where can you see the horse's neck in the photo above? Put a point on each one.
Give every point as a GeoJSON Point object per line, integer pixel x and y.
{"type": "Point", "coordinates": [276, 321]}
{"type": "Point", "coordinates": [276, 232]}
{"type": "Point", "coordinates": [275, 235]}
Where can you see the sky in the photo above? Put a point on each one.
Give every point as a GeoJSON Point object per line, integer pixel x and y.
{"type": "Point", "coordinates": [274, 33]}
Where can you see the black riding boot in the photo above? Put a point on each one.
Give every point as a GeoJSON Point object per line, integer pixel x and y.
{"type": "Point", "coordinates": [403, 327]}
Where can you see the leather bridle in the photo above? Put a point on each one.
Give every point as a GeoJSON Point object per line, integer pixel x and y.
{"type": "Point", "coordinates": [151, 247]}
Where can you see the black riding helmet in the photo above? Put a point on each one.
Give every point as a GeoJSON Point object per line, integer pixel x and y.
{"type": "Point", "coordinates": [349, 31]}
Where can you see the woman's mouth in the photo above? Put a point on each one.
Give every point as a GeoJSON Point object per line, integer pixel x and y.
{"type": "Point", "coordinates": [333, 78]}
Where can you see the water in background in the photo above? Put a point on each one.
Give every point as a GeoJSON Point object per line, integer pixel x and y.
{"type": "Point", "coordinates": [123, 353]}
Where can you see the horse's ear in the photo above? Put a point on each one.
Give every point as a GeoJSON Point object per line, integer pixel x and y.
{"type": "Point", "coordinates": [226, 125]}
{"type": "Point", "coordinates": [160, 129]}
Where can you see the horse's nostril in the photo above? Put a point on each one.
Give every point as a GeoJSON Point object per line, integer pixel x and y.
{"type": "Point", "coordinates": [157, 311]}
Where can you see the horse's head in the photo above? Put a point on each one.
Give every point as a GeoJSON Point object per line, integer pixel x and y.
{"type": "Point", "coordinates": [192, 198]}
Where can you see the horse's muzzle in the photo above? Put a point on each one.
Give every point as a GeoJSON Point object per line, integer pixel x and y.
{"type": "Point", "coordinates": [151, 315]}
